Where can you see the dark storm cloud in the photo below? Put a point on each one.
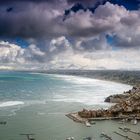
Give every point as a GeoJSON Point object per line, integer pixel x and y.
{"type": "Point", "coordinates": [94, 44]}
{"type": "Point", "coordinates": [29, 20]}
{"type": "Point", "coordinates": [127, 41]}
{"type": "Point", "coordinates": [73, 40]}
{"type": "Point", "coordinates": [86, 2]}
{"type": "Point", "coordinates": [44, 19]}
{"type": "Point", "coordinates": [92, 5]}
{"type": "Point", "coordinates": [129, 4]}
{"type": "Point", "coordinates": [10, 1]}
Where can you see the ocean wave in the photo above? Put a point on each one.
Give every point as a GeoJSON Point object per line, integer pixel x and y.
{"type": "Point", "coordinates": [85, 101]}
{"type": "Point", "coordinates": [87, 91]}
{"type": "Point", "coordinates": [10, 103]}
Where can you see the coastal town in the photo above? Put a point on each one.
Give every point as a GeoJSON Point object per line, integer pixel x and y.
{"type": "Point", "coordinates": [127, 106]}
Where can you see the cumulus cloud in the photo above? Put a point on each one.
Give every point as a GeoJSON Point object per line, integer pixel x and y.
{"type": "Point", "coordinates": [79, 41]}
{"type": "Point", "coordinates": [59, 44]}
{"type": "Point", "coordinates": [45, 20]}
{"type": "Point", "coordinates": [126, 59]}
{"type": "Point", "coordinates": [31, 20]}
{"type": "Point", "coordinates": [93, 44]}
{"type": "Point", "coordinates": [14, 56]}
{"type": "Point", "coordinates": [128, 32]}
{"type": "Point", "coordinates": [10, 53]}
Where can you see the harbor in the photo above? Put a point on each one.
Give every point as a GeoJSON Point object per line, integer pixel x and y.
{"type": "Point", "coordinates": [69, 69]}
{"type": "Point", "coordinates": [127, 108]}
{"type": "Point", "coordinates": [76, 118]}
{"type": "Point", "coordinates": [47, 118]}
{"type": "Point", "coordinates": [125, 111]}
{"type": "Point", "coordinates": [122, 132]}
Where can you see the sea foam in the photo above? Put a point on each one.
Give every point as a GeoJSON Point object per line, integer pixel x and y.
{"type": "Point", "coordinates": [11, 103]}
{"type": "Point", "coordinates": [87, 91]}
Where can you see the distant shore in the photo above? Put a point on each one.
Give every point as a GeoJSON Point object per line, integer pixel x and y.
{"type": "Point", "coordinates": [122, 76]}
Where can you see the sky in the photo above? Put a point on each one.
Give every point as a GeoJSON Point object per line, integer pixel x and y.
{"type": "Point", "coordinates": [70, 34]}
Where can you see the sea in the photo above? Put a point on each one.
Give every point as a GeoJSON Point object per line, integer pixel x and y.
{"type": "Point", "coordinates": [37, 103]}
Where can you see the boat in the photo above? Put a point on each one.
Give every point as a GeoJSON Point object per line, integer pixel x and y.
{"type": "Point", "coordinates": [125, 129]}
{"type": "Point", "coordinates": [123, 121]}
{"type": "Point", "coordinates": [88, 124]}
{"type": "Point", "coordinates": [3, 123]}
{"type": "Point", "coordinates": [87, 138]}
{"type": "Point", "coordinates": [134, 121]}
{"type": "Point", "coordinates": [29, 136]}
{"type": "Point", "coordinates": [70, 138]}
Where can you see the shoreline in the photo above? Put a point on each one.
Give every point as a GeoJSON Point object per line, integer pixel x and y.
{"type": "Point", "coordinates": [131, 78]}
{"type": "Point", "coordinates": [127, 107]}
{"type": "Point", "coordinates": [76, 118]}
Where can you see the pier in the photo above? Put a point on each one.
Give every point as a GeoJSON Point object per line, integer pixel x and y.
{"type": "Point", "coordinates": [29, 136]}
{"type": "Point", "coordinates": [75, 117]}
{"type": "Point", "coordinates": [105, 136]}
{"type": "Point", "coordinates": [124, 136]}
{"type": "Point", "coordinates": [129, 130]}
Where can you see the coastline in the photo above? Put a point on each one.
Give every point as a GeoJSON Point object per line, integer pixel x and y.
{"type": "Point", "coordinates": [127, 107]}
{"type": "Point", "coordinates": [131, 78]}
{"type": "Point", "coordinates": [41, 116]}
{"type": "Point", "coordinates": [120, 79]}
{"type": "Point", "coordinates": [120, 76]}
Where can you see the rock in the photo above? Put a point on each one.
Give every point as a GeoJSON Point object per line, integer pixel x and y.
{"type": "Point", "coordinates": [119, 97]}
{"type": "Point", "coordinates": [128, 104]}
{"type": "Point", "coordinates": [116, 98]}
{"type": "Point", "coordinates": [108, 99]}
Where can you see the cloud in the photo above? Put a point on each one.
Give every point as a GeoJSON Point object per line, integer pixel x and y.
{"type": "Point", "coordinates": [10, 53]}
{"type": "Point", "coordinates": [35, 1]}
{"type": "Point", "coordinates": [79, 41]}
{"type": "Point", "coordinates": [59, 44]}
{"type": "Point", "coordinates": [14, 56]}
{"type": "Point", "coordinates": [6, 68]}
{"type": "Point", "coordinates": [93, 44]}
{"type": "Point", "coordinates": [31, 20]}
{"type": "Point", "coordinates": [126, 59]}
{"type": "Point", "coordinates": [45, 20]}
{"type": "Point", "coordinates": [120, 59]}
{"type": "Point", "coordinates": [128, 31]}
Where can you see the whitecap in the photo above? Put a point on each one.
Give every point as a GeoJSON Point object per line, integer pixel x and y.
{"type": "Point", "coordinates": [41, 113]}
{"type": "Point", "coordinates": [10, 103]}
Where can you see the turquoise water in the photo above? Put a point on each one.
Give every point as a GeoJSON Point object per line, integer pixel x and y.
{"type": "Point", "coordinates": [37, 103]}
